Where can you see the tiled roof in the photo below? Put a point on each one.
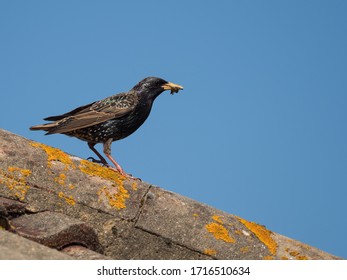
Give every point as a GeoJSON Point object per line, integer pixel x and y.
{"type": "Point", "coordinates": [56, 206]}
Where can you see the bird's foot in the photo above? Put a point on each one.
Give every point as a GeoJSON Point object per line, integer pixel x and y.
{"type": "Point", "coordinates": [98, 161]}
{"type": "Point", "coordinates": [123, 173]}
{"type": "Point", "coordinates": [116, 169]}
{"type": "Point", "coordinates": [133, 178]}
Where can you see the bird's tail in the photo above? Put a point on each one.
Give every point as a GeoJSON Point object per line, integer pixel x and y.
{"type": "Point", "coordinates": [46, 127]}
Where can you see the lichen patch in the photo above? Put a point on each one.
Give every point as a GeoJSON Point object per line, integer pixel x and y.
{"type": "Point", "coordinates": [94, 169]}
{"type": "Point", "coordinates": [15, 179]}
{"type": "Point", "coordinates": [263, 234]}
{"type": "Point", "coordinates": [68, 198]}
{"type": "Point", "coordinates": [60, 179]}
{"type": "Point", "coordinates": [134, 186]}
{"type": "Point", "coordinates": [115, 196]}
{"type": "Point", "coordinates": [210, 252]}
{"type": "Point", "coordinates": [219, 232]}
{"type": "Point", "coordinates": [297, 255]}
{"type": "Point", "coordinates": [217, 218]}
{"type": "Point", "coordinates": [54, 154]}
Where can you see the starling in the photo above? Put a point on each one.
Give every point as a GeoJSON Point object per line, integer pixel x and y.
{"type": "Point", "coordinates": [110, 119]}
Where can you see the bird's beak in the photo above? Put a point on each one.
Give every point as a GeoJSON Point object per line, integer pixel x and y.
{"type": "Point", "coordinates": [171, 86]}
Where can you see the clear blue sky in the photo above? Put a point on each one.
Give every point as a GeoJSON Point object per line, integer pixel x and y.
{"type": "Point", "coordinates": [260, 128]}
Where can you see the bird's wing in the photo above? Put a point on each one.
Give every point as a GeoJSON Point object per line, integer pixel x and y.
{"type": "Point", "coordinates": [113, 107]}
{"type": "Point", "coordinates": [71, 113]}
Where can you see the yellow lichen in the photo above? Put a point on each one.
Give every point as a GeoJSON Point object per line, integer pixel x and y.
{"type": "Point", "coordinates": [219, 232]}
{"type": "Point", "coordinates": [263, 234]}
{"type": "Point", "coordinates": [68, 198]}
{"type": "Point", "coordinates": [134, 186]}
{"type": "Point", "coordinates": [94, 169]}
{"type": "Point", "coordinates": [301, 258]}
{"type": "Point", "coordinates": [296, 254]}
{"type": "Point", "coordinates": [12, 169]}
{"type": "Point", "coordinates": [217, 219]}
{"type": "Point", "coordinates": [60, 179]}
{"type": "Point", "coordinates": [195, 215]}
{"type": "Point", "coordinates": [244, 249]}
{"type": "Point", "coordinates": [116, 195]}
{"type": "Point", "coordinates": [15, 179]}
{"type": "Point", "coordinates": [210, 252]}
{"type": "Point", "coordinates": [25, 172]}
{"type": "Point", "coordinates": [54, 154]}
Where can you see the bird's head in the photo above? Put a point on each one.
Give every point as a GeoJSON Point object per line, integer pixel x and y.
{"type": "Point", "coordinates": [155, 86]}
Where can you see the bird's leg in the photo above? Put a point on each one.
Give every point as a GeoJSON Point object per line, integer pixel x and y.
{"type": "Point", "coordinates": [102, 159]}
{"type": "Point", "coordinates": [107, 152]}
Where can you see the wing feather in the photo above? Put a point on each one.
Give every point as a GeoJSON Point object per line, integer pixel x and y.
{"type": "Point", "coordinates": [113, 107]}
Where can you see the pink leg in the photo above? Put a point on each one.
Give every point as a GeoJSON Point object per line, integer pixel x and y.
{"type": "Point", "coordinates": [118, 167]}
{"type": "Point", "coordinates": [107, 152]}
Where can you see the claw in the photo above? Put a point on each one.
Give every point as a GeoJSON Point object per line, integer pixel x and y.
{"type": "Point", "coordinates": [97, 161]}
{"type": "Point", "coordinates": [93, 160]}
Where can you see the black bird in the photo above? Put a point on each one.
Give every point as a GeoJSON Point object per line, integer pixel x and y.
{"type": "Point", "coordinates": [110, 119]}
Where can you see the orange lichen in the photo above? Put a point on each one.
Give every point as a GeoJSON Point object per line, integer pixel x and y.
{"type": "Point", "coordinates": [244, 249]}
{"type": "Point", "coordinates": [134, 186]}
{"type": "Point", "coordinates": [60, 179]}
{"type": "Point", "coordinates": [217, 219]}
{"type": "Point", "coordinates": [268, 257]}
{"type": "Point", "coordinates": [296, 254]}
{"type": "Point", "coordinates": [301, 258]}
{"type": "Point", "coordinates": [94, 169]}
{"type": "Point", "coordinates": [210, 252]}
{"type": "Point", "coordinates": [219, 232]}
{"type": "Point", "coordinates": [68, 198]}
{"type": "Point", "coordinates": [116, 197]}
{"type": "Point", "coordinates": [54, 154]}
{"type": "Point", "coordinates": [284, 258]}
{"type": "Point", "coordinates": [263, 234]}
{"type": "Point", "coordinates": [15, 179]}
{"type": "Point", "coordinates": [25, 172]}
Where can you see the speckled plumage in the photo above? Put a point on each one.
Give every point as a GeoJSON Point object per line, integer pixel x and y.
{"type": "Point", "coordinates": [118, 127]}
{"type": "Point", "coordinates": [110, 119]}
